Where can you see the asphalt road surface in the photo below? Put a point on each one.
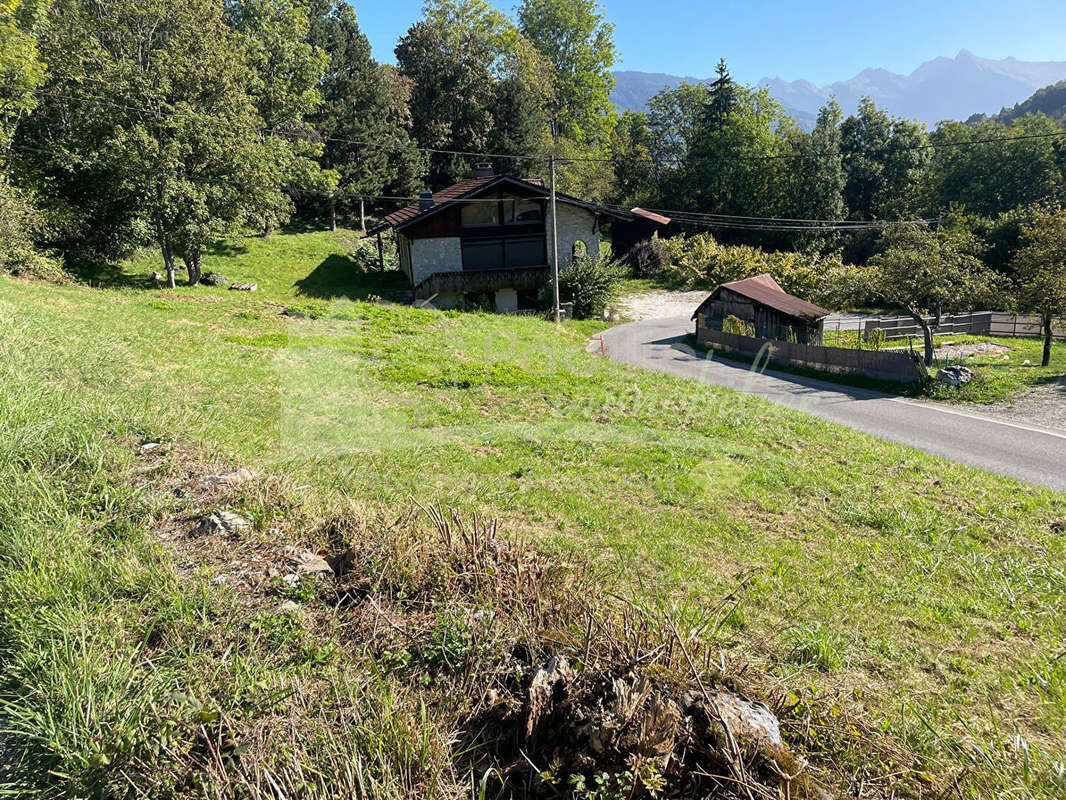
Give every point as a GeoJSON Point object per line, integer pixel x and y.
{"type": "Point", "coordinates": [1028, 453]}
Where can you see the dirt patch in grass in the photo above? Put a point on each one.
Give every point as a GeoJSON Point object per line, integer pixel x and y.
{"type": "Point", "coordinates": [535, 683]}
{"type": "Point", "coordinates": [950, 350]}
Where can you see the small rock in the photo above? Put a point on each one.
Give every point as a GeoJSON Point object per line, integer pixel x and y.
{"type": "Point", "coordinates": [308, 563]}
{"type": "Point", "coordinates": [232, 478]}
{"type": "Point", "coordinates": [214, 279]}
{"type": "Point", "coordinates": [223, 522]}
{"type": "Point", "coordinates": [243, 287]}
{"type": "Point", "coordinates": [749, 722]}
{"type": "Point", "coordinates": [1006, 358]}
{"type": "Point", "coordinates": [148, 446]}
{"type": "Point", "coordinates": [289, 607]}
{"type": "Point", "coordinates": [954, 376]}
{"type": "Point", "coordinates": [1026, 363]}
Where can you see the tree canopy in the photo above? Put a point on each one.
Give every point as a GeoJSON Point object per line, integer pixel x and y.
{"type": "Point", "coordinates": [1040, 268]}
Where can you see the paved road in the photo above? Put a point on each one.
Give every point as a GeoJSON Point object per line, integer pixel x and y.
{"type": "Point", "coordinates": [1027, 453]}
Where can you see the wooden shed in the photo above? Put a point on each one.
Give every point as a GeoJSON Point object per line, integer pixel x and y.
{"type": "Point", "coordinates": [771, 312]}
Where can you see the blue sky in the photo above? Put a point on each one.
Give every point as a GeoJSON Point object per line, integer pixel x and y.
{"type": "Point", "coordinates": [820, 40]}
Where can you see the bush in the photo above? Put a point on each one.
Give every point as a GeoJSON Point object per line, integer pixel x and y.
{"type": "Point", "coordinates": [590, 285]}
{"type": "Point", "coordinates": [365, 255]}
{"type": "Point", "coordinates": [20, 222]}
{"type": "Point", "coordinates": [649, 259]}
{"type": "Point", "coordinates": [700, 262]}
{"type": "Point", "coordinates": [737, 326]}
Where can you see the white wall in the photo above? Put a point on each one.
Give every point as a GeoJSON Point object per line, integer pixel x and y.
{"type": "Point", "coordinates": [575, 224]}
{"type": "Point", "coordinates": [443, 254]}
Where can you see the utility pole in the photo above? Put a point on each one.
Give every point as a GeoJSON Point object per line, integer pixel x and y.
{"type": "Point", "coordinates": [555, 246]}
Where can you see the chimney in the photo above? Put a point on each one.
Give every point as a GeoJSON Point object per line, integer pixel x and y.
{"type": "Point", "coordinates": [483, 170]}
{"type": "Point", "coordinates": [425, 201]}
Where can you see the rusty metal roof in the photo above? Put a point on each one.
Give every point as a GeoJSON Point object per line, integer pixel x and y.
{"type": "Point", "coordinates": [763, 289]}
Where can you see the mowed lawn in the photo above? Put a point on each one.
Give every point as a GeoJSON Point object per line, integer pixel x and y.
{"type": "Point", "coordinates": [931, 595]}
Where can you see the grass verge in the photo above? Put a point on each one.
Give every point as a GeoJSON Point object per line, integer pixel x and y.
{"type": "Point", "coordinates": [928, 595]}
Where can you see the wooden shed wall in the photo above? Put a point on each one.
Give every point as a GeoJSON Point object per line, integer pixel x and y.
{"type": "Point", "coordinates": [769, 323]}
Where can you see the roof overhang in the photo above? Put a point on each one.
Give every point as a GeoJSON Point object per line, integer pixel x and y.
{"type": "Point", "coordinates": [412, 214]}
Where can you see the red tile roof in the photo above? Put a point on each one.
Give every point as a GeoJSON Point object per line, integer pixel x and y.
{"type": "Point", "coordinates": [764, 290]}
{"type": "Point", "coordinates": [471, 187]}
{"type": "Point", "coordinates": [657, 218]}
{"type": "Point", "coordinates": [408, 213]}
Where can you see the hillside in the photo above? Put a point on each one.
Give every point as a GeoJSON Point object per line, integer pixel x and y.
{"type": "Point", "coordinates": [1050, 100]}
{"type": "Point", "coordinates": [943, 88]}
{"type": "Point", "coordinates": [900, 625]}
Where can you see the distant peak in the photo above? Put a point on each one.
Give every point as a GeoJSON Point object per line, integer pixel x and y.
{"type": "Point", "coordinates": [965, 55]}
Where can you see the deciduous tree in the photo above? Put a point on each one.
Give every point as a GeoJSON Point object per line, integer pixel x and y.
{"type": "Point", "coordinates": [149, 125]}
{"type": "Point", "coordinates": [579, 44]}
{"type": "Point", "coordinates": [1040, 268]}
{"type": "Point", "coordinates": [925, 271]}
{"type": "Point", "coordinates": [285, 71]}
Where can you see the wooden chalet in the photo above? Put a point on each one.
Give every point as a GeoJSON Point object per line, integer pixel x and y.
{"type": "Point", "coordinates": [491, 235]}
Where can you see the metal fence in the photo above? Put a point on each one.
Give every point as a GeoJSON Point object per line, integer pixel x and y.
{"type": "Point", "coordinates": [977, 323]}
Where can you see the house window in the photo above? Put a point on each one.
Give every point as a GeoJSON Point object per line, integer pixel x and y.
{"type": "Point", "coordinates": [483, 254]}
{"type": "Point", "coordinates": [526, 251]}
{"type": "Point", "coordinates": [521, 212]}
{"type": "Point", "coordinates": [480, 213]}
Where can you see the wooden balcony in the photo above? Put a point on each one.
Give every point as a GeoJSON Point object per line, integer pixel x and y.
{"type": "Point", "coordinates": [483, 280]}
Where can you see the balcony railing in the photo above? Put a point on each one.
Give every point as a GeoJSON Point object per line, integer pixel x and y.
{"type": "Point", "coordinates": [483, 280]}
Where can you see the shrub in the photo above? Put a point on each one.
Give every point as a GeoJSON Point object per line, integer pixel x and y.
{"type": "Point", "coordinates": [591, 285]}
{"type": "Point", "coordinates": [649, 259]}
{"type": "Point", "coordinates": [20, 223]}
{"type": "Point", "coordinates": [365, 256]}
{"type": "Point", "coordinates": [875, 339]}
{"type": "Point", "coordinates": [737, 326]}
{"type": "Point", "coordinates": [700, 262]}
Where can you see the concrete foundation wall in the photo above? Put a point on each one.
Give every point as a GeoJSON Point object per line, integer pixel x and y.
{"type": "Point", "coordinates": [575, 225]}
{"type": "Point", "coordinates": [898, 367]}
{"type": "Point", "coordinates": [444, 254]}
{"type": "Point", "coordinates": [506, 301]}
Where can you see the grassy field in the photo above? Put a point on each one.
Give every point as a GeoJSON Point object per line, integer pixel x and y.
{"type": "Point", "coordinates": [929, 597]}
{"type": "Point", "coordinates": [999, 378]}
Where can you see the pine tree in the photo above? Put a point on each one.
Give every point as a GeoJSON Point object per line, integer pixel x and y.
{"type": "Point", "coordinates": [367, 128]}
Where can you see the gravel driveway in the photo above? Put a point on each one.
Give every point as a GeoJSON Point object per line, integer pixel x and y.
{"type": "Point", "coordinates": [1044, 406]}
{"type": "Point", "coordinates": [659, 305]}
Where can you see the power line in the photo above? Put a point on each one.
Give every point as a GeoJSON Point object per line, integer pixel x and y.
{"type": "Point", "coordinates": [280, 133]}
{"type": "Point", "coordinates": [748, 223]}
{"type": "Point", "coordinates": [822, 154]}
{"type": "Point", "coordinates": [318, 138]}
{"type": "Point", "coordinates": [680, 215]}
{"type": "Point", "coordinates": [334, 194]}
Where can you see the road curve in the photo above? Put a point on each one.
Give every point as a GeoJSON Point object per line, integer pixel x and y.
{"type": "Point", "coordinates": [1024, 452]}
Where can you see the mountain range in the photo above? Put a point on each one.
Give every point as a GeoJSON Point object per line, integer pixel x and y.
{"type": "Point", "coordinates": [944, 88]}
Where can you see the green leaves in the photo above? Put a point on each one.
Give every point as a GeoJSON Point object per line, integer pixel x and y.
{"type": "Point", "coordinates": [925, 270]}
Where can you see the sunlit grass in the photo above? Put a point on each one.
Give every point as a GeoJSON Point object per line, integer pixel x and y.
{"type": "Point", "coordinates": [934, 590]}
